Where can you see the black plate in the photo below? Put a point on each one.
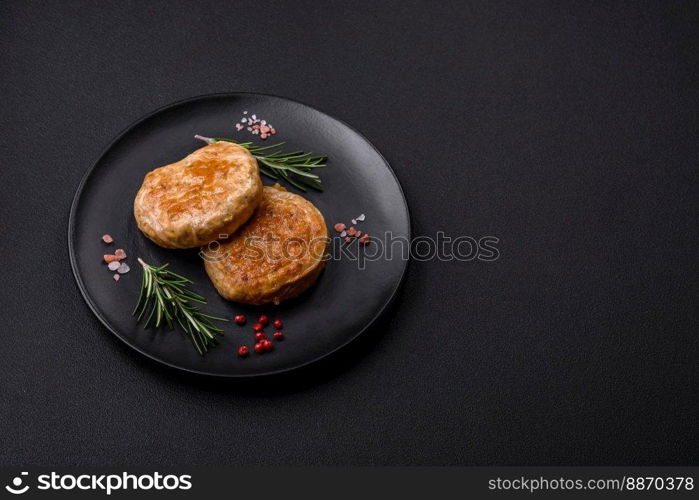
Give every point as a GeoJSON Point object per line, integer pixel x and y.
{"type": "Point", "coordinates": [343, 303]}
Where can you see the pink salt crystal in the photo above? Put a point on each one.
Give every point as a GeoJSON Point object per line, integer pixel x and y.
{"type": "Point", "coordinates": [107, 239]}
{"type": "Point", "coordinates": [116, 277]}
{"type": "Point", "coordinates": [120, 254]}
{"type": "Point", "coordinates": [113, 266]}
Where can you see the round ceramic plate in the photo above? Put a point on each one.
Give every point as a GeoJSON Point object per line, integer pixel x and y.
{"type": "Point", "coordinates": [357, 284]}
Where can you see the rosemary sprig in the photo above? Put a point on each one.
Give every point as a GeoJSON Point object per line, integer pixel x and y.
{"type": "Point", "coordinates": [295, 167]}
{"type": "Point", "coordinates": [165, 294]}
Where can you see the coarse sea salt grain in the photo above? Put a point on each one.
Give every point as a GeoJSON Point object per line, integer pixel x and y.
{"type": "Point", "coordinates": [123, 268]}
{"type": "Point", "coordinates": [113, 266]}
{"type": "Point", "coordinates": [116, 277]}
{"type": "Point", "coordinates": [256, 126]}
{"type": "Point", "coordinates": [352, 232]}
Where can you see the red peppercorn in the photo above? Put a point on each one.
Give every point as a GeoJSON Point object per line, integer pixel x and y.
{"type": "Point", "coordinates": [278, 335]}
{"type": "Point", "coordinates": [259, 336]}
{"type": "Point", "coordinates": [258, 327]}
{"type": "Point", "coordinates": [240, 319]}
{"type": "Point", "coordinates": [267, 345]}
{"type": "Point", "coordinates": [278, 324]}
{"type": "Point", "coordinates": [259, 348]}
{"type": "Point", "coordinates": [264, 320]}
{"type": "Point", "coordinates": [243, 351]}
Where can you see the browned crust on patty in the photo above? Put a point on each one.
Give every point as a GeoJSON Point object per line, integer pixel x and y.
{"type": "Point", "coordinates": [189, 203]}
{"type": "Point", "coordinates": [276, 256]}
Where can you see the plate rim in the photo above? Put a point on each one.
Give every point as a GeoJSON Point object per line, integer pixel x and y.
{"type": "Point", "coordinates": [141, 119]}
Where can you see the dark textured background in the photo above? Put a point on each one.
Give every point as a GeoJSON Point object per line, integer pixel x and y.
{"type": "Point", "coordinates": [568, 130]}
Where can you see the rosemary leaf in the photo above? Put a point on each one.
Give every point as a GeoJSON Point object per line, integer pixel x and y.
{"type": "Point", "coordinates": [295, 167]}
{"type": "Point", "coordinates": [164, 293]}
